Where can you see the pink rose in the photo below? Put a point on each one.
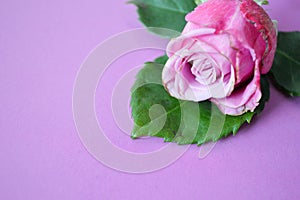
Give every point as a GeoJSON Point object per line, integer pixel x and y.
{"type": "Point", "coordinates": [224, 48]}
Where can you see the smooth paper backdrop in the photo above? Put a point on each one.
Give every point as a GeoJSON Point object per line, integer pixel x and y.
{"type": "Point", "coordinates": [42, 45]}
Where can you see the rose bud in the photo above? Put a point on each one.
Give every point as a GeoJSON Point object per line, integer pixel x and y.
{"type": "Point", "coordinates": [224, 48]}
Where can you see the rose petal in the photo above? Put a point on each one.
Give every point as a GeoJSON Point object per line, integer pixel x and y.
{"type": "Point", "coordinates": [186, 40]}
{"type": "Point", "coordinates": [205, 14]}
{"type": "Point", "coordinates": [189, 48]}
{"type": "Point", "coordinates": [178, 84]}
{"type": "Point", "coordinates": [244, 66]}
{"type": "Point", "coordinates": [244, 99]}
{"type": "Point", "coordinates": [262, 22]}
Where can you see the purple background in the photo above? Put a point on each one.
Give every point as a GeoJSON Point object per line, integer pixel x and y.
{"type": "Point", "coordinates": [42, 45]}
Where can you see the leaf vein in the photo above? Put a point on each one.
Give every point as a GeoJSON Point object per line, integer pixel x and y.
{"type": "Point", "coordinates": [287, 56]}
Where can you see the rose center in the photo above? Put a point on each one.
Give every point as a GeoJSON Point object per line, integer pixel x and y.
{"type": "Point", "coordinates": [205, 71]}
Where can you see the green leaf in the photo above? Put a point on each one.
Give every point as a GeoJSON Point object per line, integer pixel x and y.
{"type": "Point", "coordinates": [286, 67]}
{"type": "Point", "coordinates": [167, 14]}
{"type": "Point", "coordinates": [265, 90]}
{"type": "Point", "coordinates": [262, 2]}
{"type": "Point", "coordinates": [156, 113]}
{"type": "Point", "coordinates": [198, 2]}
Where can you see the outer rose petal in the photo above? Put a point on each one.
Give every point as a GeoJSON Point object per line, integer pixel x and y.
{"type": "Point", "coordinates": [216, 14]}
{"type": "Point", "coordinates": [244, 99]}
{"type": "Point", "coordinates": [185, 41]}
{"type": "Point", "coordinates": [256, 14]}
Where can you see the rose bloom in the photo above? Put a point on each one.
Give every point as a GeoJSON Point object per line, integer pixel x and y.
{"type": "Point", "coordinates": [222, 52]}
